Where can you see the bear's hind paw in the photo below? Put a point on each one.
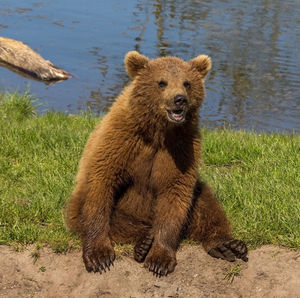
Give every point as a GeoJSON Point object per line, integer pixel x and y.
{"type": "Point", "coordinates": [229, 250]}
{"type": "Point", "coordinates": [142, 248]}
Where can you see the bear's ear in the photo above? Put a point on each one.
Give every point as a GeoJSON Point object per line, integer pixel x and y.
{"type": "Point", "coordinates": [202, 64]}
{"type": "Point", "coordinates": [134, 62]}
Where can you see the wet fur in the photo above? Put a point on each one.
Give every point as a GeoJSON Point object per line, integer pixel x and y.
{"type": "Point", "coordinates": [138, 176]}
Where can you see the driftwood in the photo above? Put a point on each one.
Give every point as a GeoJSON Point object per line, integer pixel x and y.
{"type": "Point", "coordinates": [18, 57]}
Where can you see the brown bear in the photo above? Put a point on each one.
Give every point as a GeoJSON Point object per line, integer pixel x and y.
{"type": "Point", "coordinates": [138, 176]}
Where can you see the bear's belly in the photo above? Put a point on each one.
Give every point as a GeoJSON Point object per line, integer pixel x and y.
{"type": "Point", "coordinates": [151, 174]}
{"type": "Point", "coordinates": [137, 205]}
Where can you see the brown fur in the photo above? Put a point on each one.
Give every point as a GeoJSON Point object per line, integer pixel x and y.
{"type": "Point", "coordinates": [138, 176]}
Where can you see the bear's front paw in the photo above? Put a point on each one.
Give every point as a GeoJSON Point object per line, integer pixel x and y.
{"type": "Point", "coordinates": [142, 248]}
{"type": "Point", "coordinates": [229, 250]}
{"type": "Point", "coordinates": [98, 256]}
{"type": "Point", "coordinates": [161, 261]}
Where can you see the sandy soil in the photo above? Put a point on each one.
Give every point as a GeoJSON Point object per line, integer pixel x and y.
{"type": "Point", "coordinates": [270, 272]}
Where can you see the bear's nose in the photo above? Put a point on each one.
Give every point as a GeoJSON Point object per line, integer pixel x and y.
{"type": "Point", "coordinates": [179, 99]}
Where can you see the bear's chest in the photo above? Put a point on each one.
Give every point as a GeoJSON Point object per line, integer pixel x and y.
{"type": "Point", "coordinates": [152, 171]}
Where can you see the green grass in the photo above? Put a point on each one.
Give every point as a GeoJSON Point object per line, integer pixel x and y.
{"type": "Point", "coordinates": [38, 161]}
{"type": "Point", "coordinates": [257, 177]}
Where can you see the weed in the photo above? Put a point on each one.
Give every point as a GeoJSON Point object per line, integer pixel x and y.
{"type": "Point", "coordinates": [232, 273]}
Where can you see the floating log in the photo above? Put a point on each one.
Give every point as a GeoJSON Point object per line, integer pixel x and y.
{"type": "Point", "coordinates": [18, 57]}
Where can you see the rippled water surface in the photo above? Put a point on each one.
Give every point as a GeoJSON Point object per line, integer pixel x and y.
{"type": "Point", "coordinates": [254, 45]}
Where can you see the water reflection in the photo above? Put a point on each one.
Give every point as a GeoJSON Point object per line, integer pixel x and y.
{"type": "Point", "coordinates": [254, 45]}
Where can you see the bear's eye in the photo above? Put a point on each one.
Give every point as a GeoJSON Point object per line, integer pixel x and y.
{"type": "Point", "coordinates": [162, 84]}
{"type": "Point", "coordinates": [187, 85]}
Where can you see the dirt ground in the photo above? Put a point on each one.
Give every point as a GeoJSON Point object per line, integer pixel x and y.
{"type": "Point", "coordinates": [270, 272]}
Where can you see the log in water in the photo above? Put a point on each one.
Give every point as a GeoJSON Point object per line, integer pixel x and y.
{"type": "Point", "coordinates": [18, 57]}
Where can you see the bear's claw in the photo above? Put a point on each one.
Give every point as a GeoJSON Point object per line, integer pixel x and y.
{"type": "Point", "coordinates": [161, 268]}
{"type": "Point", "coordinates": [229, 250]}
{"type": "Point", "coordinates": [160, 262]}
{"type": "Point", "coordinates": [98, 260]}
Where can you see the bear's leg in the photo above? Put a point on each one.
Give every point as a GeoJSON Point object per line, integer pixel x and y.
{"type": "Point", "coordinates": [97, 249]}
{"type": "Point", "coordinates": [208, 224]}
{"type": "Point", "coordinates": [73, 209]}
{"type": "Point", "coordinates": [170, 215]}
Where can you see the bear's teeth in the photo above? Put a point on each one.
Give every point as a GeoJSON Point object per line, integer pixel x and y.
{"type": "Point", "coordinates": [177, 115]}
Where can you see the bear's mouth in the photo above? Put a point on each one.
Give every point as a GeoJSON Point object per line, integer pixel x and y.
{"type": "Point", "coordinates": [177, 115]}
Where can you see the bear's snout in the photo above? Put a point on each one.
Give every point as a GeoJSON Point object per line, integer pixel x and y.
{"type": "Point", "coordinates": [180, 100]}
{"type": "Point", "coordinates": [177, 109]}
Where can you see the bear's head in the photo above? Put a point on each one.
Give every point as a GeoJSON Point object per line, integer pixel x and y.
{"type": "Point", "coordinates": [168, 87]}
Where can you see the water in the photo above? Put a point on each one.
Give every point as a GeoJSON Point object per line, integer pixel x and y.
{"type": "Point", "coordinates": [254, 45]}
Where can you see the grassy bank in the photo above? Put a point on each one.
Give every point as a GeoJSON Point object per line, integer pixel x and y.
{"type": "Point", "coordinates": [256, 175]}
